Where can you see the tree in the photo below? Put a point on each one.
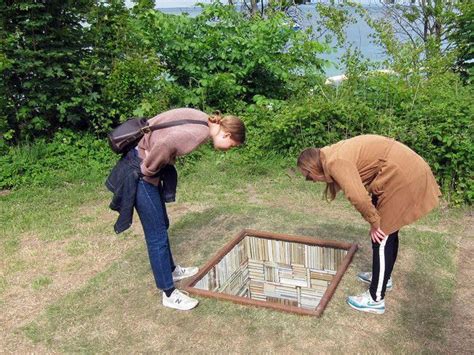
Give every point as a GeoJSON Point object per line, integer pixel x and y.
{"type": "Point", "coordinates": [462, 35]}
{"type": "Point", "coordinates": [143, 5]}
{"type": "Point", "coordinates": [416, 35]}
{"type": "Point", "coordinates": [254, 7]}
{"type": "Point", "coordinates": [41, 47]}
{"type": "Point", "coordinates": [109, 39]}
{"type": "Point", "coordinates": [425, 20]}
{"type": "Point", "coordinates": [224, 59]}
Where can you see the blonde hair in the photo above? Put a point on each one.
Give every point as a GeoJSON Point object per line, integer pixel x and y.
{"type": "Point", "coordinates": [230, 124]}
{"type": "Point", "coordinates": [309, 160]}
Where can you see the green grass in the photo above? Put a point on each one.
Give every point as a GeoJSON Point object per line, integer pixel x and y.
{"type": "Point", "coordinates": [41, 282]}
{"type": "Point", "coordinates": [103, 297]}
{"type": "Point", "coordinates": [76, 247]}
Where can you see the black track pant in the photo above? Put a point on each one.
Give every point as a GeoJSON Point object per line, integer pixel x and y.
{"type": "Point", "coordinates": [383, 259]}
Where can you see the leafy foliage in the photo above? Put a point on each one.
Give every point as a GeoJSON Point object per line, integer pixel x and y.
{"type": "Point", "coordinates": [432, 116]}
{"type": "Point", "coordinates": [223, 58]}
{"type": "Point", "coordinates": [41, 47]}
{"type": "Point", "coordinates": [69, 68]}
{"type": "Point", "coordinates": [462, 34]}
{"type": "Point", "coordinates": [69, 157]}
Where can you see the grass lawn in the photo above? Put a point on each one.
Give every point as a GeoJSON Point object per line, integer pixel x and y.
{"type": "Point", "coordinates": [69, 284]}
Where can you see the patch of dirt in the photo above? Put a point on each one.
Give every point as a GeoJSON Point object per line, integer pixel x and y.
{"type": "Point", "coordinates": [177, 210]}
{"type": "Point", "coordinates": [252, 195]}
{"type": "Point", "coordinates": [460, 333]}
{"type": "Point", "coordinates": [4, 192]}
{"type": "Point", "coordinates": [21, 303]}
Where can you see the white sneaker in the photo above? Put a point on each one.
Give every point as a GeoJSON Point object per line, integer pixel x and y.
{"type": "Point", "coordinates": [179, 300]}
{"type": "Point", "coordinates": [365, 303]}
{"type": "Point", "coordinates": [367, 278]}
{"type": "Point", "coordinates": [180, 273]}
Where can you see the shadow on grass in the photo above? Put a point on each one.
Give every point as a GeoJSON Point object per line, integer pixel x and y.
{"type": "Point", "coordinates": [335, 231]}
{"type": "Point", "coordinates": [430, 287]}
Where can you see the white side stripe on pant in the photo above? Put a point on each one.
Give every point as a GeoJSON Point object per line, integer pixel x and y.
{"type": "Point", "coordinates": [378, 293]}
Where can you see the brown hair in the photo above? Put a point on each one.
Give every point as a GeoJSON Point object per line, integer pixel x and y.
{"type": "Point", "coordinates": [309, 160]}
{"type": "Point", "coordinates": [230, 124]}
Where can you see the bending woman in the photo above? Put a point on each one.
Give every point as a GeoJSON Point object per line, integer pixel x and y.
{"type": "Point", "coordinates": [389, 184]}
{"type": "Point", "coordinates": [145, 179]}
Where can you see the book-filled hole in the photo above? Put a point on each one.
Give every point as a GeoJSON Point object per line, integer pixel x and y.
{"type": "Point", "coordinates": [289, 273]}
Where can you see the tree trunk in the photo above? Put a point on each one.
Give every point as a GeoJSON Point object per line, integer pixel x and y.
{"type": "Point", "coordinates": [253, 7]}
{"type": "Point", "coordinates": [426, 21]}
{"type": "Point", "coordinates": [438, 20]}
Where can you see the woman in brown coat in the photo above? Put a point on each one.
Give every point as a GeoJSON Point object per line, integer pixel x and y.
{"type": "Point", "coordinates": [389, 184]}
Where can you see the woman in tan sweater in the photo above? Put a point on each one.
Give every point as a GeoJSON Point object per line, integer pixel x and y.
{"type": "Point", "coordinates": [154, 153]}
{"type": "Point", "coordinates": [389, 184]}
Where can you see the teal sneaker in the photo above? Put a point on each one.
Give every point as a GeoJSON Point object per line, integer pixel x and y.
{"type": "Point", "coordinates": [367, 278]}
{"type": "Point", "coordinates": [365, 303]}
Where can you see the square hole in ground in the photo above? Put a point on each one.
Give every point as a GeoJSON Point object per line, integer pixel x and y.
{"type": "Point", "coordinates": [288, 273]}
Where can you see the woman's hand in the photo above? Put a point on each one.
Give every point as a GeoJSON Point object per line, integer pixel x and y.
{"type": "Point", "coordinates": [377, 235]}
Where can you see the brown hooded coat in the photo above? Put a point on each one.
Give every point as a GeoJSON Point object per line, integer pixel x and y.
{"type": "Point", "coordinates": [369, 164]}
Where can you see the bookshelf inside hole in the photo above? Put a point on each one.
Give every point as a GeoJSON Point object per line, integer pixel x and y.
{"type": "Point", "coordinates": [283, 271]}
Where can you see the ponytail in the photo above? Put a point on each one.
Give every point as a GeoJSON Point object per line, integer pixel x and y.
{"type": "Point", "coordinates": [216, 117]}
{"type": "Point", "coordinates": [230, 124]}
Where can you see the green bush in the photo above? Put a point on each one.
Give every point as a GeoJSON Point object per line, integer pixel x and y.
{"type": "Point", "coordinates": [68, 157]}
{"type": "Point", "coordinates": [138, 86]}
{"type": "Point", "coordinates": [224, 58]}
{"type": "Point", "coordinates": [141, 62]}
{"type": "Point", "coordinates": [438, 125]}
{"type": "Point", "coordinates": [41, 47]}
{"type": "Point", "coordinates": [431, 115]}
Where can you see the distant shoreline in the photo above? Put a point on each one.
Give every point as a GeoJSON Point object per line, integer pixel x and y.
{"type": "Point", "coordinates": [372, 6]}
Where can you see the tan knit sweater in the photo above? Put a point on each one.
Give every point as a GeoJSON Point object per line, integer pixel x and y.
{"type": "Point", "coordinates": [400, 178]}
{"type": "Point", "coordinates": [161, 147]}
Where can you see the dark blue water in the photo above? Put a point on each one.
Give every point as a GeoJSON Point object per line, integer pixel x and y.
{"type": "Point", "coordinates": [357, 34]}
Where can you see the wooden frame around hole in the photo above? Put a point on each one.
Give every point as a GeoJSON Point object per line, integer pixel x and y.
{"type": "Point", "coordinates": [350, 247]}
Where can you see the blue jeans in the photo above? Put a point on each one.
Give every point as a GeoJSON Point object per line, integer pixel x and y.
{"type": "Point", "coordinates": [152, 212]}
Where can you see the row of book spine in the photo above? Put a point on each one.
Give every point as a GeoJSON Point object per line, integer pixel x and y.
{"type": "Point", "coordinates": [289, 275]}
{"type": "Point", "coordinates": [288, 295]}
{"type": "Point", "coordinates": [234, 262]}
{"type": "Point", "coordinates": [291, 253]}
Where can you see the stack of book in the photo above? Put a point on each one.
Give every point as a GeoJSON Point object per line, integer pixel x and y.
{"type": "Point", "coordinates": [275, 271]}
{"type": "Point", "coordinates": [233, 266]}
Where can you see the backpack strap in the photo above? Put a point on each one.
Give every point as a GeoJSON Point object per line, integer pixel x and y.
{"type": "Point", "coordinates": [148, 129]}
